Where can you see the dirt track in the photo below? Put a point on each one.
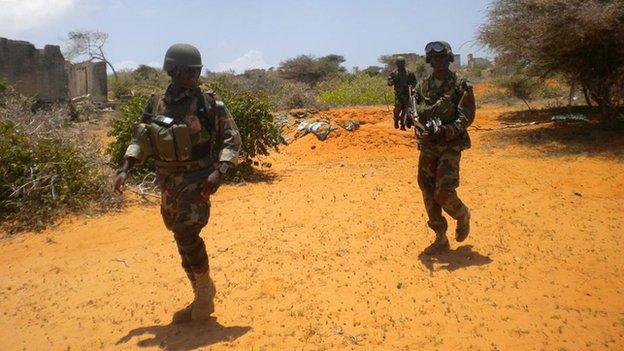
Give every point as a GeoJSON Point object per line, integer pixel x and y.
{"type": "Point", "coordinates": [325, 253]}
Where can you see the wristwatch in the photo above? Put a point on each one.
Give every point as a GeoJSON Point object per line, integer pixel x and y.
{"type": "Point", "coordinates": [223, 168]}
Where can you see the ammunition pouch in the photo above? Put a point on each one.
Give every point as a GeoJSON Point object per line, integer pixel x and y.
{"type": "Point", "coordinates": [166, 143]}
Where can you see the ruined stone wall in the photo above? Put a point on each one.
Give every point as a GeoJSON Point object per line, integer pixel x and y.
{"type": "Point", "coordinates": [34, 72]}
{"type": "Point", "coordinates": [88, 78]}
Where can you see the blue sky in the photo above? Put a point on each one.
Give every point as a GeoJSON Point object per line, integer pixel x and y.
{"type": "Point", "coordinates": [239, 34]}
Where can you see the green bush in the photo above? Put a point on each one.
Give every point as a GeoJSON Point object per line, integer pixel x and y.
{"type": "Point", "coordinates": [128, 115]}
{"type": "Point", "coordinates": [43, 176]}
{"type": "Point", "coordinates": [358, 89]}
{"type": "Point", "coordinates": [549, 91]}
{"type": "Point", "coordinates": [3, 85]}
{"type": "Point", "coordinates": [146, 76]}
{"type": "Point", "coordinates": [297, 95]}
{"type": "Point", "coordinates": [120, 86]}
{"type": "Point", "coordinates": [255, 123]}
{"type": "Point", "coordinates": [519, 86]}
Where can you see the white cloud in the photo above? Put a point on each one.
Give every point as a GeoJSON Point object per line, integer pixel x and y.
{"type": "Point", "coordinates": [19, 15]}
{"type": "Point", "coordinates": [126, 65]}
{"type": "Point", "coordinates": [252, 59]}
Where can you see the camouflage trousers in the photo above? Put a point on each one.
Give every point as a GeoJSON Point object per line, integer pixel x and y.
{"type": "Point", "coordinates": [185, 212]}
{"type": "Point", "coordinates": [400, 109]}
{"type": "Point", "coordinates": [438, 177]}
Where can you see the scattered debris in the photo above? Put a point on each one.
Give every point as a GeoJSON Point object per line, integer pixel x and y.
{"type": "Point", "coordinates": [282, 121]}
{"type": "Point", "coordinates": [320, 128]}
{"type": "Point", "coordinates": [578, 194]}
{"type": "Point", "coordinates": [121, 261]}
{"type": "Point", "coordinates": [571, 117]}
{"type": "Point", "coordinates": [352, 125]}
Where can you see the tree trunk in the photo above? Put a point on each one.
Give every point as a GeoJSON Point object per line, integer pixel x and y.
{"type": "Point", "coordinates": [529, 106]}
{"type": "Point", "coordinates": [572, 91]}
{"type": "Point", "coordinates": [587, 97]}
{"type": "Point", "coordinates": [112, 69]}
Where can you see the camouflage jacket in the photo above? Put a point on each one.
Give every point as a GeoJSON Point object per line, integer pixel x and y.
{"type": "Point", "coordinates": [451, 100]}
{"type": "Point", "coordinates": [401, 80]}
{"type": "Point", "coordinates": [215, 138]}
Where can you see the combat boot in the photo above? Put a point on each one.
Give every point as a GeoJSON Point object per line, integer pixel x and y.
{"type": "Point", "coordinates": [439, 245]}
{"type": "Point", "coordinates": [205, 291]}
{"type": "Point", "coordinates": [396, 124]}
{"type": "Point", "coordinates": [184, 315]}
{"type": "Point", "coordinates": [203, 305]}
{"type": "Point", "coordinates": [463, 227]}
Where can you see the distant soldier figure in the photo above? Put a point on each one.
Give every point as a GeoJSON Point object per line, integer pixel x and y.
{"type": "Point", "coordinates": [445, 106]}
{"type": "Point", "coordinates": [402, 82]}
{"type": "Point", "coordinates": [195, 142]}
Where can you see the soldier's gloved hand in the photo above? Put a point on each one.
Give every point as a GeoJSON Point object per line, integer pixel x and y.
{"type": "Point", "coordinates": [433, 129]}
{"type": "Point", "coordinates": [212, 183]}
{"type": "Point", "coordinates": [120, 180]}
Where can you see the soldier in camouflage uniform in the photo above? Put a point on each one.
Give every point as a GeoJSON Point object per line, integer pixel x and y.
{"type": "Point", "coordinates": [402, 82]}
{"type": "Point", "coordinates": [194, 141]}
{"type": "Point", "coordinates": [444, 97]}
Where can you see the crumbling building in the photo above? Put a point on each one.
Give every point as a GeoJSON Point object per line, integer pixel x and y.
{"type": "Point", "coordinates": [47, 76]}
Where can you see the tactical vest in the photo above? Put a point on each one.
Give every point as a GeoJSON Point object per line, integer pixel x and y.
{"type": "Point", "coordinates": [453, 88]}
{"type": "Point", "coordinates": [175, 142]}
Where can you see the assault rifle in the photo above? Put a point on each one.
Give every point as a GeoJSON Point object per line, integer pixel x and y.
{"type": "Point", "coordinates": [431, 126]}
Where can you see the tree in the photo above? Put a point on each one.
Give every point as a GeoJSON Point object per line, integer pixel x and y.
{"type": "Point", "coordinates": [581, 40]}
{"type": "Point", "coordinates": [331, 64]}
{"type": "Point", "coordinates": [309, 69]}
{"type": "Point", "coordinates": [88, 44]}
{"type": "Point", "coordinates": [372, 70]}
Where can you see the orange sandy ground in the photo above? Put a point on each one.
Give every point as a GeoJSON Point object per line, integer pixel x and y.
{"type": "Point", "coordinates": [325, 253]}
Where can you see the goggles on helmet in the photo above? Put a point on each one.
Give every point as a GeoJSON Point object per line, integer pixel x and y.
{"type": "Point", "coordinates": [190, 71]}
{"type": "Point", "coordinates": [435, 47]}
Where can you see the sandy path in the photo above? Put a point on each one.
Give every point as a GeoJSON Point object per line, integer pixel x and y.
{"type": "Point", "coordinates": [326, 254]}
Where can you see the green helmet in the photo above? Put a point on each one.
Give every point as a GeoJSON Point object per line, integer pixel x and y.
{"type": "Point", "coordinates": [180, 54]}
{"type": "Point", "coordinates": [438, 48]}
{"type": "Point", "coordinates": [400, 60]}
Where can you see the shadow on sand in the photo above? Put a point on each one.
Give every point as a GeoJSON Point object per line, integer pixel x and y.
{"type": "Point", "coordinates": [261, 176]}
{"type": "Point", "coordinates": [188, 336]}
{"type": "Point", "coordinates": [461, 257]}
{"type": "Point", "coordinates": [561, 139]}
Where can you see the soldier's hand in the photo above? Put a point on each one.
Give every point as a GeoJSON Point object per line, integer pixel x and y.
{"type": "Point", "coordinates": [120, 180]}
{"type": "Point", "coordinates": [213, 183]}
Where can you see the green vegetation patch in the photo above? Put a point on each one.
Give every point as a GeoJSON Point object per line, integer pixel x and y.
{"type": "Point", "coordinates": [358, 89]}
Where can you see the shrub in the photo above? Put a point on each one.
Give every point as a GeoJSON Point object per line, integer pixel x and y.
{"type": "Point", "coordinates": [519, 86]}
{"type": "Point", "coordinates": [121, 85]}
{"type": "Point", "coordinates": [358, 89]}
{"type": "Point", "coordinates": [297, 95]}
{"type": "Point", "coordinates": [47, 169]}
{"type": "Point", "coordinates": [255, 123]}
{"type": "Point", "coordinates": [146, 76]}
{"type": "Point", "coordinates": [128, 115]}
